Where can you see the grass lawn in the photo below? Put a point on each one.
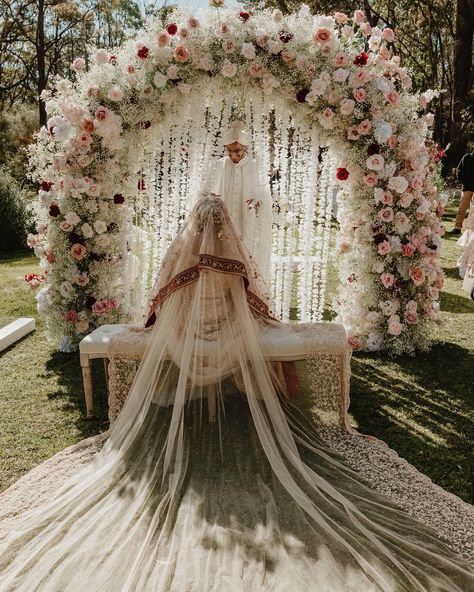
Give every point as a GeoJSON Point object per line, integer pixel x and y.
{"type": "Point", "coordinates": [422, 406]}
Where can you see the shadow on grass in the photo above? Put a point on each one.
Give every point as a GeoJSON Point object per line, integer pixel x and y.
{"type": "Point", "coordinates": [67, 372]}
{"type": "Point", "coordinates": [432, 426]}
{"type": "Point", "coordinates": [452, 272]}
{"type": "Point", "coordinates": [456, 304]}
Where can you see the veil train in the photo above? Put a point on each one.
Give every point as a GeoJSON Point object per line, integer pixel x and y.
{"type": "Point", "coordinates": [212, 479]}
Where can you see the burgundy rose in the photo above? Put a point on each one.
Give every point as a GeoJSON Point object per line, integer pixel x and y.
{"type": "Point", "coordinates": [119, 198]}
{"type": "Point", "coordinates": [143, 52]}
{"type": "Point", "coordinates": [113, 60]}
{"type": "Point", "coordinates": [302, 94]}
{"type": "Point", "coordinates": [398, 283]}
{"type": "Point", "coordinates": [90, 300]}
{"type": "Point", "coordinates": [244, 16]}
{"type": "Point", "coordinates": [172, 28]}
{"type": "Point", "coordinates": [380, 238]}
{"type": "Point", "coordinates": [76, 238]}
{"type": "Point", "coordinates": [373, 149]}
{"type": "Point", "coordinates": [141, 185]}
{"type": "Point", "coordinates": [145, 124]}
{"type": "Point", "coordinates": [46, 185]}
{"type": "Point", "coordinates": [285, 37]}
{"type": "Point", "coordinates": [342, 174]}
{"type": "Point", "coordinates": [361, 59]}
{"type": "Point", "coordinates": [54, 210]}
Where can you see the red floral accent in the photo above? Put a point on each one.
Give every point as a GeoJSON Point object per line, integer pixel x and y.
{"type": "Point", "coordinates": [143, 52]}
{"type": "Point", "coordinates": [361, 59]}
{"type": "Point", "coordinates": [46, 185]}
{"type": "Point", "coordinates": [172, 28]}
{"type": "Point", "coordinates": [244, 16]}
{"type": "Point", "coordinates": [285, 37]}
{"type": "Point", "coordinates": [54, 210]}
{"type": "Point", "coordinates": [113, 60]}
{"type": "Point", "coordinates": [119, 198]}
{"type": "Point", "coordinates": [302, 94]}
{"type": "Point", "coordinates": [342, 174]}
{"type": "Point", "coordinates": [141, 185]}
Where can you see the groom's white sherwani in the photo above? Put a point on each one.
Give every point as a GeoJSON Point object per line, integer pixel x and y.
{"type": "Point", "coordinates": [248, 200]}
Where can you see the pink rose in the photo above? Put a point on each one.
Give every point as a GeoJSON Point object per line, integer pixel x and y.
{"type": "Point", "coordinates": [359, 95]}
{"type": "Point", "coordinates": [417, 275]}
{"type": "Point", "coordinates": [386, 214]}
{"type": "Point", "coordinates": [256, 70]}
{"type": "Point", "coordinates": [393, 98]}
{"type": "Point", "coordinates": [366, 29]}
{"type": "Point", "coordinates": [100, 307]}
{"type": "Point", "coordinates": [181, 54]}
{"type": "Point", "coordinates": [359, 16]}
{"type": "Point", "coordinates": [353, 133]}
{"type": "Point", "coordinates": [387, 279]}
{"type": "Point", "coordinates": [384, 248]}
{"type": "Point", "coordinates": [66, 226]}
{"type": "Point", "coordinates": [395, 327]}
{"type": "Point", "coordinates": [82, 279]}
{"type": "Point", "coordinates": [429, 312]}
{"type": "Point", "coordinates": [408, 250]}
{"type": "Point", "coordinates": [411, 318]}
{"type": "Point", "coordinates": [228, 69]}
{"type": "Point", "coordinates": [371, 179]}
{"type": "Point", "coordinates": [406, 200]}
{"type": "Point", "coordinates": [364, 127]}
{"type": "Point", "coordinates": [433, 293]}
{"type": "Point", "coordinates": [392, 141]}
{"type": "Point", "coordinates": [78, 251]}
{"type": "Point", "coordinates": [88, 125]}
{"type": "Point", "coordinates": [101, 113]}
{"type": "Point", "coordinates": [375, 162]}
{"type": "Point", "coordinates": [193, 23]}
{"type": "Point", "coordinates": [224, 29]}
{"type": "Point", "coordinates": [341, 18]}
{"type": "Point", "coordinates": [183, 32]}
{"type": "Point", "coordinates": [417, 183]}
{"type": "Point", "coordinates": [340, 59]}
{"type": "Point", "coordinates": [388, 35]}
{"type": "Point", "coordinates": [328, 113]}
{"type": "Point", "coordinates": [387, 198]}
{"type": "Point", "coordinates": [71, 316]}
{"type": "Point", "coordinates": [163, 39]}
{"type": "Point", "coordinates": [322, 35]}
{"type": "Point", "coordinates": [420, 215]}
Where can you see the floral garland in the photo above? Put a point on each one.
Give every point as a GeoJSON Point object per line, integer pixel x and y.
{"type": "Point", "coordinates": [337, 74]}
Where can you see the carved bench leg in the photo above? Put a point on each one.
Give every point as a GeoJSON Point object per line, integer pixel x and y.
{"type": "Point", "coordinates": [86, 377]}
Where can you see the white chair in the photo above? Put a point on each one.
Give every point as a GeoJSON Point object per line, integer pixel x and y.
{"type": "Point", "coordinates": [96, 345]}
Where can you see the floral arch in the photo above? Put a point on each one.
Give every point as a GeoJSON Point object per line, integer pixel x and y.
{"type": "Point", "coordinates": [331, 82]}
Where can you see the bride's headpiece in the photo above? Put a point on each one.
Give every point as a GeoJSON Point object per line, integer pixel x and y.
{"type": "Point", "coordinates": [236, 133]}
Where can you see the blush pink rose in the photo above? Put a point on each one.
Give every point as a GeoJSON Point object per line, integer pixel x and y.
{"type": "Point", "coordinates": [388, 35]}
{"type": "Point", "coordinates": [364, 127]}
{"type": "Point", "coordinates": [433, 293]}
{"type": "Point", "coordinates": [78, 251]}
{"type": "Point", "coordinates": [101, 113]}
{"type": "Point", "coordinates": [411, 318]}
{"type": "Point", "coordinates": [395, 328]}
{"type": "Point", "coordinates": [387, 198]}
{"type": "Point", "coordinates": [100, 307]}
{"type": "Point", "coordinates": [88, 125]}
{"type": "Point", "coordinates": [408, 250]}
{"type": "Point", "coordinates": [359, 95]}
{"type": "Point", "coordinates": [340, 59]}
{"type": "Point", "coordinates": [387, 279]}
{"type": "Point", "coordinates": [392, 141]}
{"type": "Point", "coordinates": [417, 275]}
{"type": "Point", "coordinates": [417, 183]}
{"type": "Point", "coordinates": [393, 98]}
{"type": "Point", "coordinates": [181, 54]}
{"type": "Point", "coordinates": [341, 18]}
{"type": "Point", "coordinates": [163, 39]}
{"type": "Point", "coordinates": [322, 35]}
{"type": "Point", "coordinates": [353, 133]}
{"type": "Point", "coordinates": [406, 200]}
{"type": "Point", "coordinates": [384, 248]}
{"type": "Point", "coordinates": [256, 70]}
{"type": "Point", "coordinates": [71, 316]}
{"type": "Point", "coordinates": [359, 16]}
{"type": "Point", "coordinates": [371, 179]}
{"type": "Point", "coordinates": [386, 214]}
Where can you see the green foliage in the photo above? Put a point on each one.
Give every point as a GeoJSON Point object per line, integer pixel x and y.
{"type": "Point", "coordinates": [15, 215]}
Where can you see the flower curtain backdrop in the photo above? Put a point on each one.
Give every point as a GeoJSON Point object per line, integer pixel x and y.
{"type": "Point", "coordinates": [129, 144]}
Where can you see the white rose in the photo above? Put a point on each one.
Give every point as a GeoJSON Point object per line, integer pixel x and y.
{"type": "Point", "coordinates": [340, 75]}
{"type": "Point", "coordinates": [72, 218]}
{"type": "Point", "coordinates": [229, 69]}
{"type": "Point", "coordinates": [347, 106]}
{"type": "Point", "coordinates": [398, 184]}
{"type": "Point", "coordinates": [375, 162]}
{"type": "Point", "coordinates": [374, 341]}
{"type": "Point", "coordinates": [101, 56]}
{"type": "Point", "coordinates": [248, 51]}
{"type": "Point", "coordinates": [159, 80]}
{"type": "Point", "coordinates": [66, 289]}
{"type": "Point", "coordinates": [100, 226]}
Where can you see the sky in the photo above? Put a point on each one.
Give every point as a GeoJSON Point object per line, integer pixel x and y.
{"type": "Point", "coordinates": [194, 5]}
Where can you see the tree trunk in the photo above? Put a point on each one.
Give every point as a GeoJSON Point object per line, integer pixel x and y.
{"type": "Point", "coordinates": [40, 56]}
{"type": "Point", "coordinates": [462, 80]}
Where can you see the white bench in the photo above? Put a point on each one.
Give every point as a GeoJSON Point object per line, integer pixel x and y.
{"type": "Point", "coordinates": [15, 331]}
{"type": "Point", "coordinates": [321, 347]}
{"type": "Point", "coordinates": [96, 345]}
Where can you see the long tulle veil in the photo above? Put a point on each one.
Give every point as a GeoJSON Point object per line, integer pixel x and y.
{"type": "Point", "coordinates": [212, 479]}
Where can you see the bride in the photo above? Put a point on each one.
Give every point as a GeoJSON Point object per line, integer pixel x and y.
{"type": "Point", "coordinates": [211, 479]}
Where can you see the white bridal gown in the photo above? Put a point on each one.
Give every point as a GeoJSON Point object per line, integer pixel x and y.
{"type": "Point", "coordinates": [210, 480]}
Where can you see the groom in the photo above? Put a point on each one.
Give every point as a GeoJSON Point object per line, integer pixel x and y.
{"type": "Point", "coordinates": [246, 196]}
